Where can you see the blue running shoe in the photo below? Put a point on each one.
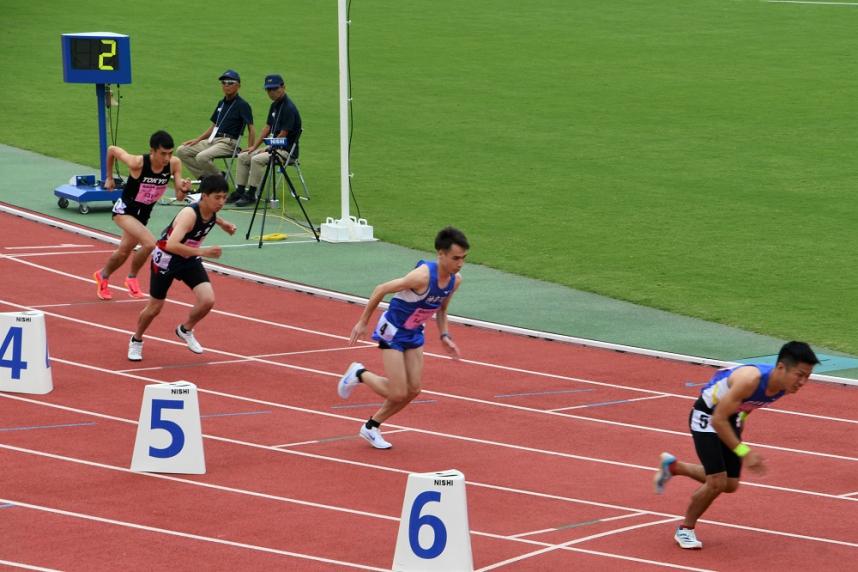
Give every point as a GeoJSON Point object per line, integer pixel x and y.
{"type": "Point", "coordinates": [663, 474]}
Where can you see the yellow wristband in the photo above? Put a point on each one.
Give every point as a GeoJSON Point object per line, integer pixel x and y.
{"type": "Point", "coordinates": [741, 450]}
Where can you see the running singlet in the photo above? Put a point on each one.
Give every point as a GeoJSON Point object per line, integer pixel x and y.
{"type": "Point", "coordinates": [717, 387]}
{"type": "Point", "coordinates": [149, 187]}
{"type": "Point", "coordinates": [408, 310]}
{"type": "Point", "coordinates": [164, 261]}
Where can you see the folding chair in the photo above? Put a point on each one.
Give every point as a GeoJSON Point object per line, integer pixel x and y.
{"type": "Point", "coordinates": [229, 160]}
{"type": "Point", "coordinates": [295, 162]}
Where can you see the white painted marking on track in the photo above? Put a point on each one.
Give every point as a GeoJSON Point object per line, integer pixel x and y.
{"type": "Point", "coordinates": [325, 440]}
{"type": "Point", "coordinates": [594, 521]}
{"type": "Point", "coordinates": [451, 396]}
{"type": "Point", "coordinates": [169, 532]}
{"type": "Point", "coordinates": [612, 402]}
{"type": "Point", "coordinates": [367, 345]}
{"type": "Point", "coordinates": [390, 425]}
{"type": "Point", "coordinates": [45, 247]}
{"type": "Point", "coordinates": [515, 330]}
{"type": "Point", "coordinates": [66, 253]}
{"type": "Point", "coordinates": [591, 537]}
{"type": "Point", "coordinates": [27, 566]}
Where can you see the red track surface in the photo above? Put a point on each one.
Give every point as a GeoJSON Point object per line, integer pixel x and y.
{"type": "Point", "coordinates": [289, 485]}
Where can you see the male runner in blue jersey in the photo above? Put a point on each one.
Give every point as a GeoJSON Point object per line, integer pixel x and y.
{"type": "Point", "coordinates": [177, 257]}
{"type": "Point", "coordinates": [716, 422]}
{"type": "Point", "coordinates": [420, 294]}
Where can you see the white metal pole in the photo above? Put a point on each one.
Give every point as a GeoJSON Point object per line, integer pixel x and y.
{"type": "Point", "coordinates": [344, 111]}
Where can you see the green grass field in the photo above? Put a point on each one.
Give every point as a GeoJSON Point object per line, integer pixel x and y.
{"type": "Point", "coordinates": [691, 155]}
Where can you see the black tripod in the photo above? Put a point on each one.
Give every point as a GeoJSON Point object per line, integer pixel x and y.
{"type": "Point", "coordinates": [276, 162]}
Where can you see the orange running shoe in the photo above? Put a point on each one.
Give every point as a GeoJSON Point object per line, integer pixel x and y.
{"type": "Point", "coordinates": [134, 287]}
{"type": "Point", "coordinates": [103, 287]}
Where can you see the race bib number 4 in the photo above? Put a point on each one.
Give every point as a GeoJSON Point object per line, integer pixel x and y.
{"type": "Point", "coordinates": [385, 330]}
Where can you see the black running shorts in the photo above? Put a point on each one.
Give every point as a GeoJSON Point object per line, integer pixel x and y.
{"type": "Point", "coordinates": [712, 452]}
{"type": "Point", "coordinates": [191, 273]}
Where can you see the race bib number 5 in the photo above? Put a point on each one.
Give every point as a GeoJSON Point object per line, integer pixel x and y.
{"type": "Point", "coordinates": [701, 422]}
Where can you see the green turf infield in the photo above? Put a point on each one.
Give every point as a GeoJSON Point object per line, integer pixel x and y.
{"type": "Point", "coordinates": [690, 155]}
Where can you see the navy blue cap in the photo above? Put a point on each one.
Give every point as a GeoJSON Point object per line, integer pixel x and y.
{"type": "Point", "coordinates": [273, 80]}
{"type": "Point", "coordinates": [230, 74]}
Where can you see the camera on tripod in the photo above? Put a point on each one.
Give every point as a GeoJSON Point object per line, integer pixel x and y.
{"type": "Point", "coordinates": [277, 142]}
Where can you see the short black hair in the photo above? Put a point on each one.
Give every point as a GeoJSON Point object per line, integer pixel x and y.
{"type": "Point", "coordinates": [449, 236]}
{"type": "Point", "coordinates": [213, 184]}
{"type": "Point", "coordinates": [161, 139]}
{"type": "Point", "coordinates": [794, 353]}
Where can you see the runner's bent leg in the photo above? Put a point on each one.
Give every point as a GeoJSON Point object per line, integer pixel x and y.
{"type": "Point", "coordinates": [147, 314]}
{"type": "Point", "coordinates": [396, 389]}
{"type": "Point", "coordinates": [203, 305]}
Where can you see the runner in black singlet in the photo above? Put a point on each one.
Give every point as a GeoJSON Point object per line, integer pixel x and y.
{"type": "Point", "coordinates": [147, 182]}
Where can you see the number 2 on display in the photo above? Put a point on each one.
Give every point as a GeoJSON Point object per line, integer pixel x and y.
{"type": "Point", "coordinates": [14, 337]}
{"type": "Point", "coordinates": [177, 441]}
{"type": "Point", "coordinates": [104, 55]}
{"type": "Point", "coordinates": [416, 522]}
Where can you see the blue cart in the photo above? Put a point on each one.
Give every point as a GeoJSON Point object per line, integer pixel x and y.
{"type": "Point", "coordinates": [83, 192]}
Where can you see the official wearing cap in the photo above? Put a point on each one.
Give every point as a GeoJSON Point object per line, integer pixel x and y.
{"type": "Point", "coordinates": [228, 120]}
{"type": "Point", "coordinates": [283, 121]}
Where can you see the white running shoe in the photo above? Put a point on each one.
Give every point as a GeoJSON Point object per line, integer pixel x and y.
{"type": "Point", "coordinates": [188, 338]}
{"type": "Point", "coordinates": [135, 350]}
{"type": "Point", "coordinates": [349, 380]}
{"type": "Point", "coordinates": [374, 437]}
{"type": "Point", "coordinates": [686, 538]}
{"type": "Point", "coordinates": [663, 474]}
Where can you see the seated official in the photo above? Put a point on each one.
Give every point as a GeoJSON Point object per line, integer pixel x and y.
{"type": "Point", "coordinates": [283, 121]}
{"type": "Point", "coordinates": [231, 115]}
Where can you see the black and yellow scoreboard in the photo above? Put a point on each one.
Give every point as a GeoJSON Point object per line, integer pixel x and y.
{"type": "Point", "coordinates": [100, 58]}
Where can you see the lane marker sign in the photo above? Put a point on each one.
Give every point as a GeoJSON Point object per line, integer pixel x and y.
{"type": "Point", "coordinates": [25, 366]}
{"type": "Point", "coordinates": [433, 532]}
{"type": "Point", "coordinates": [169, 435]}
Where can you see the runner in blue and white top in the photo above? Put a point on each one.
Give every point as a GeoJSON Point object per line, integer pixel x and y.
{"type": "Point", "coordinates": [422, 293]}
{"type": "Point", "coordinates": [716, 422]}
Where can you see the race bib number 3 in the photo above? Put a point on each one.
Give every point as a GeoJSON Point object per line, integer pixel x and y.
{"type": "Point", "coordinates": [161, 259]}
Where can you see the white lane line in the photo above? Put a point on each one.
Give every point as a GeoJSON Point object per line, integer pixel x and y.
{"type": "Point", "coordinates": [330, 294]}
{"type": "Point", "coordinates": [592, 537]}
{"type": "Point", "coordinates": [451, 396]}
{"type": "Point", "coordinates": [405, 473]}
{"type": "Point", "coordinates": [577, 524]}
{"type": "Point", "coordinates": [329, 439]}
{"type": "Point", "coordinates": [27, 566]}
{"type": "Point", "coordinates": [604, 403]}
{"type": "Point", "coordinates": [422, 431]}
{"type": "Point", "coordinates": [169, 532]}
{"type": "Point", "coordinates": [63, 245]}
{"type": "Point", "coordinates": [430, 354]}
{"type": "Point", "coordinates": [64, 253]}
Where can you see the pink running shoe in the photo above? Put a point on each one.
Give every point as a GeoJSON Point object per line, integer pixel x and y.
{"type": "Point", "coordinates": [134, 287]}
{"type": "Point", "coordinates": [102, 289]}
